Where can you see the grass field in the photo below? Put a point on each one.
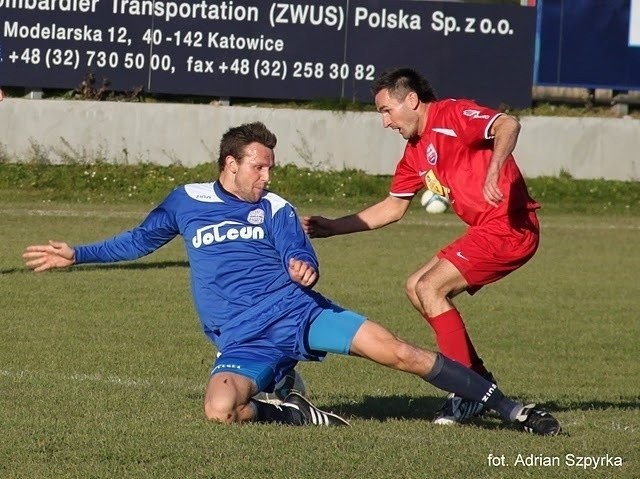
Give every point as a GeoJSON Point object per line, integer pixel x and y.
{"type": "Point", "coordinates": [102, 368]}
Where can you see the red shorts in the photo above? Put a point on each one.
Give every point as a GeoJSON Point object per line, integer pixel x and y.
{"type": "Point", "coordinates": [489, 252]}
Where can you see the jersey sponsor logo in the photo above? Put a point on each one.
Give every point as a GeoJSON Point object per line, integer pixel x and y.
{"type": "Point", "coordinates": [475, 114]}
{"type": "Point", "coordinates": [432, 183]}
{"type": "Point", "coordinates": [432, 154]}
{"type": "Point", "coordinates": [226, 231]}
{"type": "Point", "coordinates": [256, 217]}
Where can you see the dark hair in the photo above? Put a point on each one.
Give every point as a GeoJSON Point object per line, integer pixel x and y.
{"type": "Point", "coordinates": [236, 139]}
{"type": "Point", "coordinates": [401, 81]}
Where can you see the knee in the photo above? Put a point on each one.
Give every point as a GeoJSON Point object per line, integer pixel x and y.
{"type": "Point", "coordinates": [411, 290]}
{"type": "Point", "coordinates": [216, 410]}
{"type": "Point", "coordinates": [410, 287]}
{"type": "Point", "coordinates": [426, 291]}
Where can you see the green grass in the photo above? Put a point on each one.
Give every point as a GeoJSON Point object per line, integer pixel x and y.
{"type": "Point", "coordinates": [101, 182]}
{"type": "Point", "coordinates": [103, 367]}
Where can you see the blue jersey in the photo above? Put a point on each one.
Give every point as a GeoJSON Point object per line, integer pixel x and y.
{"type": "Point", "coordinates": [238, 254]}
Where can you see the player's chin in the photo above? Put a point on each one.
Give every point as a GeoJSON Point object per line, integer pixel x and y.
{"type": "Point", "coordinates": [402, 134]}
{"type": "Point", "coordinates": [406, 136]}
{"type": "Point", "coordinates": [257, 195]}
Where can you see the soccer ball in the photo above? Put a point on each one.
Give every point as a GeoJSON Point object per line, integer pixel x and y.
{"type": "Point", "coordinates": [434, 203]}
{"type": "Point", "coordinates": [291, 382]}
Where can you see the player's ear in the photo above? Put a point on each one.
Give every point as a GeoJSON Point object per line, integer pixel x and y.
{"type": "Point", "coordinates": [412, 100]}
{"type": "Point", "coordinates": [231, 164]}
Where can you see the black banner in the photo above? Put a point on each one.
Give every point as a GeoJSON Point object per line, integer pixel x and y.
{"type": "Point", "coordinates": [266, 49]}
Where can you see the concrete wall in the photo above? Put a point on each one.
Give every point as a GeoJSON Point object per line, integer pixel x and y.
{"type": "Point", "coordinates": [585, 147]}
{"type": "Point", "coordinates": [189, 134]}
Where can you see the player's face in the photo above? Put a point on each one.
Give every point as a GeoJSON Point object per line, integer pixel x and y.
{"type": "Point", "coordinates": [252, 172]}
{"type": "Point", "coordinates": [397, 114]}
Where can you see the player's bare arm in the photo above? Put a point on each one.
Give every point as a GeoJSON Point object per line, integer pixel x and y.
{"type": "Point", "coordinates": [385, 212]}
{"type": "Point", "coordinates": [505, 130]}
{"type": "Point", "coordinates": [56, 254]}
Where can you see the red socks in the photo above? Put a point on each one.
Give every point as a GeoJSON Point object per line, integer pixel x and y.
{"type": "Point", "coordinates": [453, 340]}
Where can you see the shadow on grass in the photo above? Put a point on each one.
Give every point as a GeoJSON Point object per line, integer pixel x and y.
{"type": "Point", "coordinates": [425, 408]}
{"type": "Point", "coordinates": [105, 266]}
{"type": "Point", "coordinates": [391, 407]}
{"type": "Point", "coordinates": [407, 407]}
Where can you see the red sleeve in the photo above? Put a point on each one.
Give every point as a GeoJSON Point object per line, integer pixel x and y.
{"type": "Point", "coordinates": [406, 180]}
{"type": "Point", "coordinates": [471, 121]}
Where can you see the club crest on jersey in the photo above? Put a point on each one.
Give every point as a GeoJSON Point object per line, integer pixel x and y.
{"type": "Point", "coordinates": [256, 217]}
{"type": "Point", "coordinates": [432, 154]}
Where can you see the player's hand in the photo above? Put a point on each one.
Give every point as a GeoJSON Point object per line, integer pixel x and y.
{"type": "Point", "coordinates": [302, 272]}
{"type": "Point", "coordinates": [42, 257]}
{"type": "Point", "coordinates": [317, 226]}
{"type": "Point", "coordinates": [492, 193]}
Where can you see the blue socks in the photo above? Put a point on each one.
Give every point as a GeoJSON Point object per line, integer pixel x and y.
{"type": "Point", "coordinates": [464, 382]}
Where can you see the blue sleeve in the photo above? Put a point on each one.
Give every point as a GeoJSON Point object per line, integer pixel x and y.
{"type": "Point", "coordinates": [290, 239]}
{"type": "Point", "coordinates": [157, 229]}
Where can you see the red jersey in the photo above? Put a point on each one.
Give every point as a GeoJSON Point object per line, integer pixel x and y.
{"type": "Point", "coordinates": [451, 158]}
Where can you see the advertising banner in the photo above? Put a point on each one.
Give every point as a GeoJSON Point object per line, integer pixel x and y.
{"type": "Point", "coordinates": [269, 49]}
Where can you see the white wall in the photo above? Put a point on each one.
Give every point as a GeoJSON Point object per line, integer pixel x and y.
{"type": "Point", "coordinates": [585, 147]}
{"type": "Point", "coordinates": [166, 133]}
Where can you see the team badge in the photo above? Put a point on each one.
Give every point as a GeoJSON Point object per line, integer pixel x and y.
{"type": "Point", "coordinates": [256, 217]}
{"type": "Point", "coordinates": [432, 154]}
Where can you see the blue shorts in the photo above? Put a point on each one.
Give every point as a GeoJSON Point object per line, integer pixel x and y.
{"type": "Point", "coordinates": [266, 362]}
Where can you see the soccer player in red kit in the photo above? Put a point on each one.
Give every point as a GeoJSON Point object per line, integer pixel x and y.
{"type": "Point", "coordinates": [462, 151]}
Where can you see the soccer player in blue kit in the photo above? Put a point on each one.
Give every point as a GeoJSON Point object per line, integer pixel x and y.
{"type": "Point", "coordinates": [252, 275]}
